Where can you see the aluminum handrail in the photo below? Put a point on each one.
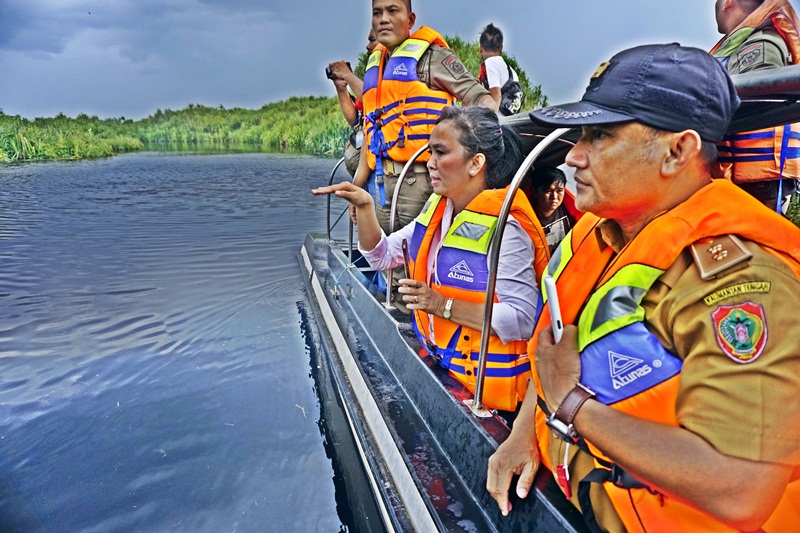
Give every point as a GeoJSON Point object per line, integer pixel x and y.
{"type": "Point", "coordinates": [393, 212]}
{"type": "Point", "coordinates": [330, 182]}
{"type": "Point", "coordinates": [350, 226]}
{"type": "Point", "coordinates": [476, 405]}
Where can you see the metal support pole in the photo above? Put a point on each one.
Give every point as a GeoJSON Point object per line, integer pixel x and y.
{"type": "Point", "coordinates": [476, 405]}
{"type": "Point", "coordinates": [393, 214]}
{"type": "Point", "coordinates": [330, 182]}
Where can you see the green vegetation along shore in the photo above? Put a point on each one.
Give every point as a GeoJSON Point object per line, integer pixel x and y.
{"type": "Point", "coordinates": [310, 124]}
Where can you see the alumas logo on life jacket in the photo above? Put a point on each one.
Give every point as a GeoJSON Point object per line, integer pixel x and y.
{"type": "Point", "coordinates": [400, 70]}
{"type": "Point", "coordinates": [626, 369]}
{"type": "Point", "coordinates": [461, 271]}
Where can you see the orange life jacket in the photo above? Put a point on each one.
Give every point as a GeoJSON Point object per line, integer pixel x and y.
{"type": "Point", "coordinates": [399, 109]}
{"type": "Point", "coordinates": [589, 277]}
{"type": "Point", "coordinates": [767, 154]}
{"type": "Point", "coordinates": [463, 270]}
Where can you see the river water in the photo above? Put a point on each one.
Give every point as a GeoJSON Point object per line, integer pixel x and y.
{"type": "Point", "coordinates": [154, 371]}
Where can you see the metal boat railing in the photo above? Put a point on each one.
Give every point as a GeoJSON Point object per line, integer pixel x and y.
{"type": "Point", "coordinates": [329, 228]}
{"type": "Point", "coordinates": [330, 182]}
{"type": "Point", "coordinates": [393, 214]}
{"type": "Point", "coordinates": [476, 405]}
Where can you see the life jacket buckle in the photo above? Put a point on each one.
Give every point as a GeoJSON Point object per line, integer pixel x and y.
{"type": "Point", "coordinates": [432, 350]}
{"type": "Point", "coordinates": [620, 478]}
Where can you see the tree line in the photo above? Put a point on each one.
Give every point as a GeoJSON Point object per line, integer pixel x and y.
{"type": "Point", "coordinates": [310, 124]}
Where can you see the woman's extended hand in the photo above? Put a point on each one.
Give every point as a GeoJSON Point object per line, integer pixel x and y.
{"type": "Point", "coordinates": [420, 297]}
{"type": "Point", "coordinates": [354, 194]}
{"type": "Point", "coordinates": [361, 201]}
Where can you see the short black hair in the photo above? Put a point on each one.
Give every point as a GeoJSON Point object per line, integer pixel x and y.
{"type": "Point", "coordinates": [491, 38]}
{"type": "Point", "coordinates": [543, 176]}
{"type": "Point", "coordinates": [407, 3]}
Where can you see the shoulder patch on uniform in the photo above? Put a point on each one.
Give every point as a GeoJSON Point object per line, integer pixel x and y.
{"type": "Point", "coordinates": [751, 55]}
{"type": "Point", "coordinates": [737, 290]}
{"type": "Point", "coordinates": [741, 331]}
{"type": "Point", "coordinates": [713, 255]}
{"type": "Point", "coordinates": [454, 66]}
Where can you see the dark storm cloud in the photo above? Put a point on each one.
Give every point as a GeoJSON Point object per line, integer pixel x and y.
{"type": "Point", "coordinates": [135, 56]}
{"type": "Point", "coordinates": [130, 57]}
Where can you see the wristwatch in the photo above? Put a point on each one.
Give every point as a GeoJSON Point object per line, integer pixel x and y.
{"type": "Point", "coordinates": [561, 421]}
{"type": "Point", "coordinates": [448, 306]}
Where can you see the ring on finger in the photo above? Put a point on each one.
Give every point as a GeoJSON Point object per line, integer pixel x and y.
{"type": "Point", "coordinates": [416, 299]}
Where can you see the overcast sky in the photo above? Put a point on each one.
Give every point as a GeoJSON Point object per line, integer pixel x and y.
{"type": "Point", "coordinates": [115, 58]}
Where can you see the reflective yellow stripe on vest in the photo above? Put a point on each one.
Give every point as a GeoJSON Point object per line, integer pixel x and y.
{"type": "Point", "coordinates": [472, 233]}
{"type": "Point", "coordinates": [413, 48]}
{"type": "Point", "coordinates": [616, 304]}
{"type": "Point", "coordinates": [428, 209]}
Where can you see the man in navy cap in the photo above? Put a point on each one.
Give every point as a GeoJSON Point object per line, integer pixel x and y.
{"type": "Point", "coordinates": [670, 401]}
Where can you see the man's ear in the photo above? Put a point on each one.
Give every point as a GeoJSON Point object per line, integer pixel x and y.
{"type": "Point", "coordinates": [412, 19]}
{"type": "Point", "coordinates": [683, 148]}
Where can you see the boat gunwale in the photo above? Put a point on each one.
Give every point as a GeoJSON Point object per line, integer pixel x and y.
{"type": "Point", "coordinates": [430, 389]}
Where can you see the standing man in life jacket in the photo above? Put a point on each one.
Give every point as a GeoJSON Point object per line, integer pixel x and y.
{"type": "Point", "coordinates": [670, 402]}
{"type": "Point", "coordinates": [409, 79]}
{"type": "Point", "coordinates": [348, 91]}
{"type": "Point", "coordinates": [760, 34]}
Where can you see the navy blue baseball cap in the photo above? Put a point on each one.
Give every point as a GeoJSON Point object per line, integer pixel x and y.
{"type": "Point", "coordinates": [665, 86]}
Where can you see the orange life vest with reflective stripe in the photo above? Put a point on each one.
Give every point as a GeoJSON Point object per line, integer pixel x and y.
{"type": "Point", "coordinates": [588, 277]}
{"type": "Point", "coordinates": [767, 154]}
{"type": "Point", "coordinates": [463, 270]}
{"type": "Point", "coordinates": [399, 109]}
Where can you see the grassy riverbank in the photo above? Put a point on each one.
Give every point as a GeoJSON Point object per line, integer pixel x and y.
{"type": "Point", "coordinates": [63, 137]}
{"type": "Point", "coordinates": [308, 124]}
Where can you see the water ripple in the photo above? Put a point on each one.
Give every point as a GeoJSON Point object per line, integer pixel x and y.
{"type": "Point", "coordinates": [149, 348]}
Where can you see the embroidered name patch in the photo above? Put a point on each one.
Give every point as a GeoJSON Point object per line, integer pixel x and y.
{"type": "Point", "coordinates": [737, 290]}
{"type": "Point", "coordinates": [741, 330]}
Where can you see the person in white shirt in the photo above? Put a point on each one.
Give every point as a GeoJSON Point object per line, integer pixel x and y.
{"type": "Point", "coordinates": [494, 71]}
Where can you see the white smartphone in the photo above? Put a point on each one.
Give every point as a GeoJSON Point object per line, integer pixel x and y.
{"type": "Point", "coordinates": [555, 309]}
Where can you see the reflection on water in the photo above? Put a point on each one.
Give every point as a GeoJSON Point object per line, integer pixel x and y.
{"type": "Point", "coordinates": [153, 375]}
{"type": "Point", "coordinates": [216, 148]}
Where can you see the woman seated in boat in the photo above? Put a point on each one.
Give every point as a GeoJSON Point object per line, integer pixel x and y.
{"type": "Point", "coordinates": [471, 165]}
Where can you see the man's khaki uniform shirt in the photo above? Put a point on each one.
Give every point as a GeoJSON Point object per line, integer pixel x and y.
{"type": "Point", "coordinates": [763, 49]}
{"type": "Point", "coordinates": [749, 409]}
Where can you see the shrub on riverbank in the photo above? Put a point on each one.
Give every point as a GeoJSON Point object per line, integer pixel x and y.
{"type": "Point", "coordinates": [62, 137]}
{"type": "Point", "coordinates": [307, 124]}
{"type": "Point", "coordinates": [304, 124]}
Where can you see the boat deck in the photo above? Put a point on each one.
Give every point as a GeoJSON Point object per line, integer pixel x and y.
{"type": "Point", "coordinates": [423, 450]}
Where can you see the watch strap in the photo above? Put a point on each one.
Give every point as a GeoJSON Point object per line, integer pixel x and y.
{"type": "Point", "coordinates": [448, 309]}
{"type": "Point", "coordinates": [572, 402]}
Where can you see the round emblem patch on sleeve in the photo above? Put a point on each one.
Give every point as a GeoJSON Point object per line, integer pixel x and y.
{"type": "Point", "coordinates": [741, 330]}
{"type": "Point", "coordinates": [454, 66]}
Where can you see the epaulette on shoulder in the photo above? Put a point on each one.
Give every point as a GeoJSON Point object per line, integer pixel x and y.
{"type": "Point", "coordinates": [714, 255]}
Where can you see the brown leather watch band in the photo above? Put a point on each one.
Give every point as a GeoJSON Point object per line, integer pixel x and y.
{"type": "Point", "coordinates": [572, 402]}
